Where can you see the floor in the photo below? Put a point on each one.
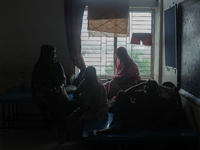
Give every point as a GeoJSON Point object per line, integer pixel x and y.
{"type": "Point", "coordinates": [41, 139]}
{"type": "Point", "coordinates": [36, 138]}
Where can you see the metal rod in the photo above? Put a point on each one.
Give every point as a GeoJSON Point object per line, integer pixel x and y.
{"type": "Point", "coordinates": [3, 116]}
{"type": "Point", "coordinates": [8, 114]}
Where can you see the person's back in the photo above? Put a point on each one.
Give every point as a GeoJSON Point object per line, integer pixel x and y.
{"type": "Point", "coordinates": [92, 99]}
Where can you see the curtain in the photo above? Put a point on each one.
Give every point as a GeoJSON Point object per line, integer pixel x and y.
{"type": "Point", "coordinates": [74, 10]}
{"type": "Point", "coordinates": [108, 18]}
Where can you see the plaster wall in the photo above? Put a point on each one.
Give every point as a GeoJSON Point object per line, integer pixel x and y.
{"type": "Point", "coordinates": [25, 26]}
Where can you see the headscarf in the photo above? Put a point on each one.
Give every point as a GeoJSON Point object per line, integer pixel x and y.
{"type": "Point", "coordinates": [44, 52]}
{"type": "Point", "coordinates": [90, 74]}
{"type": "Point", "coordinates": [120, 53]}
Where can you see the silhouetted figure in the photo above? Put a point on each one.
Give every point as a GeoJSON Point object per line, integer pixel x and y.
{"type": "Point", "coordinates": [127, 74]}
{"type": "Point", "coordinates": [92, 101]}
{"type": "Point", "coordinates": [48, 87]}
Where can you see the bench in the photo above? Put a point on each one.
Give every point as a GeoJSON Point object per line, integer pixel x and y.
{"type": "Point", "coordinates": [162, 133]}
{"type": "Point", "coordinates": [12, 97]}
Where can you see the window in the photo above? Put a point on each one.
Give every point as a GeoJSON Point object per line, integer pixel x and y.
{"type": "Point", "coordinates": [98, 51]}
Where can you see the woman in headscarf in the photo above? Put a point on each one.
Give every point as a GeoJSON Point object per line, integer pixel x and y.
{"type": "Point", "coordinates": [127, 73]}
{"type": "Point", "coordinates": [48, 81]}
{"type": "Point", "coordinates": [92, 101]}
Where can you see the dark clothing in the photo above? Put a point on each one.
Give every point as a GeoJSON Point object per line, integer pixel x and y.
{"type": "Point", "coordinates": [93, 106]}
{"type": "Point", "coordinates": [92, 101]}
{"type": "Point", "coordinates": [136, 109]}
{"type": "Point", "coordinates": [48, 89]}
{"type": "Point", "coordinates": [49, 76]}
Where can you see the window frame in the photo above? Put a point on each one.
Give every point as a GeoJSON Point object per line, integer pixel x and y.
{"type": "Point", "coordinates": [152, 10]}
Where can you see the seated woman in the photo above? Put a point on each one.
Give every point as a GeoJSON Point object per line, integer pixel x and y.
{"type": "Point", "coordinates": [48, 80]}
{"type": "Point", "coordinates": [127, 73]}
{"type": "Point", "coordinates": [92, 101]}
{"type": "Point", "coordinates": [146, 105]}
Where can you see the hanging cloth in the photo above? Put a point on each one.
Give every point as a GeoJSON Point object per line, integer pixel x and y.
{"type": "Point", "coordinates": [109, 18]}
{"type": "Point", "coordinates": [146, 38]}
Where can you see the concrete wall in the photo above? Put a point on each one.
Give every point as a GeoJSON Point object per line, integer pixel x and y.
{"type": "Point", "coordinates": [157, 43]}
{"type": "Point", "coordinates": [25, 26]}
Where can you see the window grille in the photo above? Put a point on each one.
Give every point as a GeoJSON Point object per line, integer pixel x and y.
{"type": "Point", "coordinates": [98, 51]}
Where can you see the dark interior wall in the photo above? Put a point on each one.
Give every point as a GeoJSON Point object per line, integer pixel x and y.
{"type": "Point", "coordinates": [25, 26]}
